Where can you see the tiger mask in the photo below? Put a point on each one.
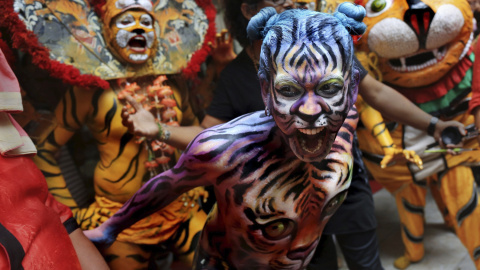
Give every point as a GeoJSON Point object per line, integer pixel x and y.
{"type": "Point", "coordinates": [417, 42]}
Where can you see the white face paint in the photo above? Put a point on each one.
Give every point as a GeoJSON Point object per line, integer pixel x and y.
{"type": "Point", "coordinates": [309, 102]}
{"type": "Point", "coordinates": [134, 36]}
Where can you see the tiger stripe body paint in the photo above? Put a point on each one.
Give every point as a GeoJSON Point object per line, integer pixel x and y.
{"type": "Point", "coordinates": [278, 175]}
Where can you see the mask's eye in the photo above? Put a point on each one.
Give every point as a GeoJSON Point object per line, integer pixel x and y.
{"type": "Point", "coordinates": [125, 21]}
{"type": "Point", "coordinates": [330, 88]}
{"type": "Point", "coordinates": [278, 229]}
{"type": "Point", "coordinates": [377, 7]}
{"type": "Point", "coordinates": [146, 21]}
{"type": "Point", "coordinates": [333, 204]}
{"type": "Point", "coordinates": [289, 91]}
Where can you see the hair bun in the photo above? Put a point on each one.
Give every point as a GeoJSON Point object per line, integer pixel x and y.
{"type": "Point", "coordinates": [256, 26]}
{"type": "Point", "coordinates": [351, 16]}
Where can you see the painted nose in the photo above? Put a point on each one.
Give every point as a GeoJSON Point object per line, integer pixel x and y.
{"type": "Point", "coordinates": [302, 253]}
{"type": "Point", "coordinates": [309, 108]}
{"type": "Point", "coordinates": [138, 31]}
{"type": "Point", "coordinates": [419, 16]}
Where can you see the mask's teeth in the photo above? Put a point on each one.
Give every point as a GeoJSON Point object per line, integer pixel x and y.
{"type": "Point", "coordinates": [138, 57]}
{"type": "Point", "coordinates": [404, 64]}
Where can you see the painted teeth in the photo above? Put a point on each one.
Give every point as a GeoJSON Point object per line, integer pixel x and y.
{"type": "Point", "coordinates": [310, 131]}
{"type": "Point", "coordinates": [138, 57]}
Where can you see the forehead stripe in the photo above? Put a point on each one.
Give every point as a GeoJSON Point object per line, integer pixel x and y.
{"type": "Point", "coordinates": [324, 56]}
{"type": "Point", "coordinates": [294, 30]}
{"type": "Point", "coordinates": [295, 55]}
{"type": "Point", "coordinates": [279, 35]}
{"type": "Point", "coordinates": [286, 52]}
{"type": "Point", "coordinates": [342, 54]}
{"type": "Point", "coordinates": [332, 54]}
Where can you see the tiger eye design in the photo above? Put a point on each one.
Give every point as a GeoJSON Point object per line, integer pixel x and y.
{"type": "Point", "coordinates": [278, 229]}
{"type": "Point", "coordinates": [334, 203]}
{"type": "Point", "coordinates": [378, 5]}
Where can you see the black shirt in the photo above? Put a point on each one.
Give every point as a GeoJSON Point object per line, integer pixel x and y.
{"type": "Point", "coordinates": [238, 92]}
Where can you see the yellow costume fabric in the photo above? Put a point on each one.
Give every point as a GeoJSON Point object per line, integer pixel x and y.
{"type": "Point", "coordinates": [454, 183]}
{"type": "Point", "coordinates": [121, 170]}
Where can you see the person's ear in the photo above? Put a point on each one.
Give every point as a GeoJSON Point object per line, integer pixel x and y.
{"type": "Point", "coordinates": [265, 91]}
{"type": "Point", "coordinates": [247, 11]}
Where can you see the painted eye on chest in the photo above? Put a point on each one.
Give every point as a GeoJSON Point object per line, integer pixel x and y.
{"type": "Point", "coordinates": [334, 204]}
{"type": "Point", "coordinates": [278, 229]}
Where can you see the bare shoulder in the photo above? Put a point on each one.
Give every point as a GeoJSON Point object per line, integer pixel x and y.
{"type": "Point", "coordinates": [213, 143]}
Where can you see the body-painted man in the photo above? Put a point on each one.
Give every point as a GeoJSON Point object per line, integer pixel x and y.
{"type": "Point", "coordinates": [424, 52]}
{"type": "Point", "coordinates": [279, 175]}
{"type": "Point", "coordinates": [131, 61]}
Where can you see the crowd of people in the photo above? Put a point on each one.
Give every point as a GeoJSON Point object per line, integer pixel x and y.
{"type": "Point", "coordinates": [274, 114]}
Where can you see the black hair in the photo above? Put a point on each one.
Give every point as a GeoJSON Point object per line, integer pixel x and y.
{"type": "Point", "coordinates": [235, 21]}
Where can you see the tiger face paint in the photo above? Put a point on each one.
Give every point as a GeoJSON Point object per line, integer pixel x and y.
{"type": "Point", "coordinates": [308, 98]}
{"type": "Point", "coordinates": [308, 82]}
{"type": "Point", "coordinates": [133, 36]}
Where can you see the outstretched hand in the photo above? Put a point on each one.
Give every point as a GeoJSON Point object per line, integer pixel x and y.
{"type": "Point", "coordinates": [99, 237]}
{"type": "Point", "coordinates": [395, 154]}
{"type": "Point", "coordinates": [141, 123]}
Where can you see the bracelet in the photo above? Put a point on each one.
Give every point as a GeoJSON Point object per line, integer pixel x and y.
{"type": "Point", "coordinates": [432, 125]}
{"type": "Point", "coordinates": [163, 133]}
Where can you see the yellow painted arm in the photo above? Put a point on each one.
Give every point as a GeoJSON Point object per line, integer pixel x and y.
{"type": "Point", "coordinates": [373, 121]}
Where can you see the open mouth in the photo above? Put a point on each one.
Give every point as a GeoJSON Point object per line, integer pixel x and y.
{"type": "Point", "coordinates": [418, 61]}
{"type": "Point", "coordinates": [138, 44]}
{"type": "Point", "coordinates": [311, 139]}
{"type": "Point", "coordinates": [425, 59]}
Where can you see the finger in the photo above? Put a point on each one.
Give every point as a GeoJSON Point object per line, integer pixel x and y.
{"type": "Point", "coordinates": [137, 106]}
{"type": "Point", "coordinates": [218, 39]}
{"type": "Point", "coordinates": [224, 34]}
{"type": "Point", "coordinates": [125, 115]}
{"type": "Point", "coordinates": [125, 122]}
{"type": "Point", "coordinates": [419, 162]}
{"type": "Point", "coordinates": [210, 44]}
{"type": "Point", "coordinates": [385, 161]}
{"type": "Point", "coordinates": [451, 151]}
